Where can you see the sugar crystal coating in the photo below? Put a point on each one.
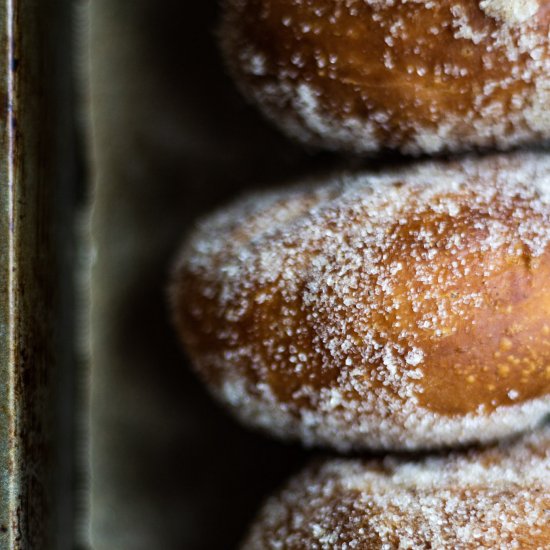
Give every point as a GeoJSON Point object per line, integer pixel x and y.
{"type": "Point", "coordinates": [497, 498]}
{"type": "Point", "coordinates": [405, 308]}
{"type": "Point", "coordinates": [420, 76]}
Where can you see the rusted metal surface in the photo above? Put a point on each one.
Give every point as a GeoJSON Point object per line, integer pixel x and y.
{"type": "Point", "coordinates": [9, 477]}
{"type": "Point", "coordinates": [37, 189]}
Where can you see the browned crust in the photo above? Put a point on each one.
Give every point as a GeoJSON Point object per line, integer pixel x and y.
{"type": "Point", "coordinates": [415, 76]}
{"type": "Point", "coordinates": [498, 498]}
{"type": "Point", "coordinates": [452, 292]}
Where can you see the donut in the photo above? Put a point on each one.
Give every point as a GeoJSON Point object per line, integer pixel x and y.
{"type": "Point", "coordinates": [420, 76]}
{"type": "Point", "coordinates": [497, 498]}
{"type": "Point", "coordinates": [404, 308]}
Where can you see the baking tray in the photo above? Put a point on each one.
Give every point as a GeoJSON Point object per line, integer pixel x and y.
{"type": "Point", "coordinates": [39, 175]}
{"type": "Point", "coordinates": [167, 139]}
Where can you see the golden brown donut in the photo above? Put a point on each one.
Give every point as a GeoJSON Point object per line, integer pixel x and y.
{"type": "Point", "coordinates": [400, 309]}
{"type": "Point", "coordinates": [497, 498]}
{"type": "Point", "coordinates": [419, 76]}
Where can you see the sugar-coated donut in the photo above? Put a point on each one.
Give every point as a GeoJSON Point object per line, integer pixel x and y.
{"type": "Point", "coordinates": [497, 498]}
{"type": "Point", "coordinates": [400, 309]}
{"type": "Point", "coordinates": [419, 76]}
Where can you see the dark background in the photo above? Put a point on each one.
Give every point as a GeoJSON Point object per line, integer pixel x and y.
{"type": "Point", "coordinates": [169, 139]}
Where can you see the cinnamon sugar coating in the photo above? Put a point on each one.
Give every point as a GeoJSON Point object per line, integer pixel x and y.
{"type": "Point", "coordinates": [399, 309]}
{"type": "Point", "coordinates": [420, 76]}
{"type": "Point", "coordinates": [497, 498]}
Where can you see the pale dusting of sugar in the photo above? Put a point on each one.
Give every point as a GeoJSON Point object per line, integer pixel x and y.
{"type": "Point", "coordinates": [305, 102]}
{"type": "Point", "coordinates": [494, 119]}
{"type": "Point", "coordinates": [512, 12]}
{"type": "Point", "coordinates": [301, 248]}
{"type": "Point", "coordinates": [346, 424]}
{"type": "Point", "coordinates": [497, 498]}
{"type": "Point", "coordinates": [253, 63]}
